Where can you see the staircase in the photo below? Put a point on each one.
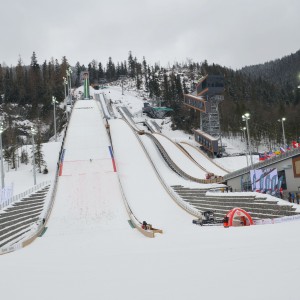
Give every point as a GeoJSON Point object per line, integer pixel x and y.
{"type": "Point", "coordinates": [18, 219]}
{"type": "Point", "coordinates": [221, 204]}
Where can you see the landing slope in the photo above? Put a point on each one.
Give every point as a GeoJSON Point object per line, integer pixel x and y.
{"type": "Point", "coordinates": [145, 193]}
{"type": "Point", "coordinates": [88, 191]}
{"type": "Point", "coordinates": [90, 260]}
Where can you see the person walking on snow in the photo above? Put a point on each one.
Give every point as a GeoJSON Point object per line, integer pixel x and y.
{"type": "Point", "coordinates": [281, 192]}
{"type": "Point", "coordinates": [293, 197]}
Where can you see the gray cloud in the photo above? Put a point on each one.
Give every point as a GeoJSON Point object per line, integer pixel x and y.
{"type": "Point", "coordinates": [232, 33]}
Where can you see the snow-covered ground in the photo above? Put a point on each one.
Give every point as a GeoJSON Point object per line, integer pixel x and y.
{"type": "Point", "coordinates": [90, 252]}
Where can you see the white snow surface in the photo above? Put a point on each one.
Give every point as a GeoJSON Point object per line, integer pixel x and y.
{"type": "Point", "coordinates": [89, 251]}
{"type": "Point", "coordinates": [203, 160]}
{"type": "Point", "coordinates": [184, 162]}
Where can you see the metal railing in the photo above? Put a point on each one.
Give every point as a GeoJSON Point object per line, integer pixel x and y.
{"type": "Point", "coordinates": [36, 230]}
{"type": "Point", "coordinates": [22, 195]}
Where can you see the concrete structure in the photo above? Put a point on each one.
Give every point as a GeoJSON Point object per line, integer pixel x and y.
{"type": "Point", "coordinates": [287, 165]}
{"type": "Point", "coordinates": [84, 77]}
{"type": "Point", "coordinates": [206, 98]}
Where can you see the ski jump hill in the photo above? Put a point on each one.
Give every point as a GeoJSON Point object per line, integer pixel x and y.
{"type": "Point", "coordinates": [91, 251]}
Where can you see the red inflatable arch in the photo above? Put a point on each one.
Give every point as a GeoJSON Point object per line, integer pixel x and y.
{"type": "Point", "coordinates": [238, 217]}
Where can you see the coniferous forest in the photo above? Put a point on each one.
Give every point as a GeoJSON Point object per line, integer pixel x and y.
{"type": "Point", "coordinates": [268, 92]}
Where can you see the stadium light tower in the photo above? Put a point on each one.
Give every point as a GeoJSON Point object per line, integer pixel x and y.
{"type": "Point", "coordinates": [69, 72]}
{"type": "Point", "coordinates": [1, 150]}
{"type": "Point", "coordinates": [245, 138]}
{"type": "Point", "coordinates": [122, 77]}
{"type": "Point", "coordinates": [33, 133]}
{"type": "Point", "coordinates": [54, 115]}
{"type": "Point", "coordinates": [283, 132]}
{"type": "Point", "coordinates": [65, 83]}
{"type": "Point", "coordinates": [246, 118]}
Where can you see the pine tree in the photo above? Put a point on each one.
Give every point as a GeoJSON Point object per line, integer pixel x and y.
{"type": "Point", "coordinates": [110, 70]}
{"type": "Point", "coordinates": [47, 82]}
{"type": "Point", "coordinates": [10, 139]}
{"type": "Point", "coordinates": [20, 83]}
{"type": "Point", "coordinates": [34, 84]}
{"type": "Point", "coordinates": [77, 74]}
{"type": "Point", "coordinates": [178, 86]}
{"type": "Point", "coordinates": [154, 87]}
{"type": "Point", "coordinates": [1, 81]}
{"type": "Point", "coordinates": [145, 72]}
{"type": "Point", "coordinates": [57, 91]}
{"type": "Point", "coordinates": [131, 66]}
{"type": "Point", "coordinates": [93, 72]}
{"type": "Point", "coordinates": [8, 86]}
{"type": "Point", "coordinates": [100, 72]}
{"type": "Point", "coordinates": [166, 93]}
{"type": "Point", "coordinates": [138, 74]}
{"type": "Point", "coordinates": [64, 66]}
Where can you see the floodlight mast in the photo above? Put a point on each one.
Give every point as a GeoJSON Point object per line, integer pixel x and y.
{"type": "Point", "coordinates": [54, 116]}
{"type": "Point", "coordinates": [245, 118]}
{"type": "Point", "coordinates": [122, 77]}
{"type": "Point", "coordinates": [65, 83]}
{"type": "Point", "coordinates": [1, 150]}
{"type": "Point", "coordinates": [245, 138]}
{"type": "Point", "coordinates": [33, 132]}
{"type": "Point", "coordinates": [283, 132]}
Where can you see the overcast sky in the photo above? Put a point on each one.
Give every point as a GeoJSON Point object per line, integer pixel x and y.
{"type": "Point", "coordinates": [232, 33]}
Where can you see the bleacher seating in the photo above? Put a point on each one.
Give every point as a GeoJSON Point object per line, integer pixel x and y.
{"type": "Point", "coordinates": [17, 219]}
{"type": "Point", "coordinates": [222, 203]}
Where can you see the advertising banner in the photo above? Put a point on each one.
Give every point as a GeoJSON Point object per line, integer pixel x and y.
{"type": "Point", "coordinates": [264, 181]}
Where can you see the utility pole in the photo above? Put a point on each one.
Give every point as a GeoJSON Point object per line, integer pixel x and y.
{"type": "Point", "coordinates": [246, 117]}
{"type": "Point", "coordinates": [283, 132]}
{"type": "Point", "coordinates": [1, 150]}
{"type": "Point", "coordinates": [122, 77]}
{"type": "Point", "coordinates": [33, 132]}
{"type": "Point", "coordinates": [54, 115]}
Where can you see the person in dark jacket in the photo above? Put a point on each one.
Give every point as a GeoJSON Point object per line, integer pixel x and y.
{"type": "Point", "coordinates": [281, 192]}
{"type": "Point", "coordinates": [144, 225]}
{"type": "Point", "coordinates": [298, 198]}
{"type": "Point", "coordinates": [225, 222]}
{"type": "Point", "coordinates": [293, 197]}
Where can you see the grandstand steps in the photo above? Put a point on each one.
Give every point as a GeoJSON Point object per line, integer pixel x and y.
{"type": "Point", "coordinates": [249, 204]}
{"type": "Point", "coordinates": [18, 219]}
{"type": "Point", "coordinates": [25, 207]}
{"type": "Point", "coordinates": [232, 200]}
{"type": "Point", "coordinates": [12, 221]}
{"type": "Point", "coordinates": [12, 230]}
{"type": "Point", "coordinates": [14, 238]}
{"type": "Point", "coordinates": [258, 207]}
{"type": "Point", "coordinates": [16, 214]}
{"type": "Point", "coordinates": [247, 207]}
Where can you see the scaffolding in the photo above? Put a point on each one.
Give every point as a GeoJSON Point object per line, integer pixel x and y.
{"type": "Point", "coordinates": [210, 120]}
{"type": "Point", "coordinates": [206, 99]}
